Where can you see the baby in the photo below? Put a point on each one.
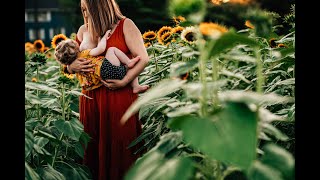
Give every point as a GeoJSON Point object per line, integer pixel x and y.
{"type": "Point", "coordinates": [107, 67]}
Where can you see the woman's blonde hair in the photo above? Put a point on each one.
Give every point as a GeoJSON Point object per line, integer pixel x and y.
{"type": "Point", "coordinates": [66, 51]}
{"type": "Point", "coordinates": [102, 14]}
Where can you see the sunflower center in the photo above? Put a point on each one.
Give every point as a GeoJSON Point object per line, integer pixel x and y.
{"type": "Point", "coordinates": [59, 40]}
{"type": "Point", "coordinates": [190, 36]}
{"type": "Point", "coordinates": [150, 36]}
{"type": "Point", "coordinates": [38, 45]}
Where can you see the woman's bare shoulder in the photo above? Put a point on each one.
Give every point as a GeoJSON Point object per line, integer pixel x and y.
{"type": "Point", "coordinates": [129, 26]}
{"type": "Point", "coordinates": [82, 28]}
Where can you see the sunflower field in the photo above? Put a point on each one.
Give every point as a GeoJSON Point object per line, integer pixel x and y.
{"type": "Point", "coordinates": [221, 103]}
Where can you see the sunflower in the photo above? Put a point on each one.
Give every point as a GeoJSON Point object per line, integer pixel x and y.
{"type": "Point", "coordinates": [189, 35]}
{"type": "Point", "coordinates": [166, 38]}
{"type": "Point", "coordinates": [178, 19]}
{"type": "Point", "coordinates": [45, 49]}
{"type": "Point", "coordinates": [177, 30]}
{"type": "Point", "coordinates": [241, 2]}
{"type": "Point", "coordinates": [216, 2]}
{"type": "Point", "coordinates": [281, 45]}
{"type": "Point", "coordinates": [29, 47]}
{"type": "Point", "coordinates": [149, 36]}
{"type": "Point", "coordinates": [147, 44]}
{"type": "Point", "coordinates": [272, 42]}
{"type": "Point", "coordinates": [213, 30]}
{"type": "Point", "coordinates": [39, 45]}
{"type": "Point", "coordinates": [34, 79]}
{"type": "Point", "coordinates": [163, 30]}
{"type": "Point", "coordinates": [184, 76]}
{"type": "Point", "coordinates": [248, 24]}
{"type": "Point", "coordinates": [49, 55]}
{"type": "Point", "coordinates": [69, 76]}
{"type": "Point", "coordinates": [57, 38]}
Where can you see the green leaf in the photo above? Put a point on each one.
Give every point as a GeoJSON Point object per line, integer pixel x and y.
{"type": "Point", "coordinates": [222, 137]}
{"type": "Point", "coordinates": [72, 128]}
{"type": "Point", "coordinates": [45, 134]}
{"type": "Point", "coordinates": [184, 110]}
{"type": "Point", "coordinates": [260, 171]}
{"type": "Point", "coordinates": [235, 75]}
{"type": "Point", "coordinates": [168, 142]}
{"type": "Point", "coordinates": [79, 149]}
{"type": "Point", "coordinates": [173, 169]}
{"type": "Point", "coordinates": [49, 173]}
{"type": "Point", "coordinates": [41, 141]}
{"type": "Point", "coordinates": [41, 87]}
{"type": "Point", "coordinates": [84, 139]}
{"type": "Point", "coordinates": [229, 40]}
{"type": "Point", "coordinates": [145, 166]}
{"type": "Point", "coordinates": [194, 89]}
{"type": "Point", "coordinates": [153, 166]}
{"type": "Point", "coordinates": [179, 68]}
{"type": "Point", "coordinates": [29, 141]}
{"type": "Point", "coordinates": [249, 97]}
{"type": "Point", "coordinates": [270, 129]}
{"type": "Point", "coordinates": [164, 88]}
{"type": "Point", "coordinates": [30, 173]}
{"type": "Point", "coordinates": [280, 159]}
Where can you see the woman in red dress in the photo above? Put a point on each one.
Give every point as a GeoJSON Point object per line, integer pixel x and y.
{"type": "Point", "coordinates": [107, 155]}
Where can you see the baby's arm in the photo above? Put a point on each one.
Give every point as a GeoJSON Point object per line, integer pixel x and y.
{"type": "Point", "coordinates": [101, 47]}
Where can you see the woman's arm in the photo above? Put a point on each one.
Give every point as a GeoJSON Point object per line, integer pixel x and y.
{"type": "Point", "coordinates": [135, 44]}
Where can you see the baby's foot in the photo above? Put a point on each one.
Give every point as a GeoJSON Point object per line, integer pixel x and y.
{"type": "Point", "coordinates": [133, 61]}
{"type": "Point", "coordinates": [140, 89]}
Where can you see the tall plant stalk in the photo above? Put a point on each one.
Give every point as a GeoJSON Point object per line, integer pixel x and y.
{"type": "Point", "coordinates": [38, 105]}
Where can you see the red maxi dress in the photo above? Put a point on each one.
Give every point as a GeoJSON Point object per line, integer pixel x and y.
{"type": "Point", "coordinates": [107, 155]}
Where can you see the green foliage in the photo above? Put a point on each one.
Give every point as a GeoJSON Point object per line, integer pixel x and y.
{"type": "Point", "coordinates": [55, 139]}
{"type": "Point", "coordinates": [238, 97]}
{"type": "Point", "coordinates": [194, 10]}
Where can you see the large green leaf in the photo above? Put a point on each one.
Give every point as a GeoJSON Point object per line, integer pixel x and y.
{"type": "Point", "coordinates": [164, 88]}
{"type": "Point", "coordinates": [72, 128]}
{"type": "Point", "coordinates": [153, 166]}
{"type": "Point", "coordinates": [229, 40]}
{"type": "Point", "coordinates": [229, 136]}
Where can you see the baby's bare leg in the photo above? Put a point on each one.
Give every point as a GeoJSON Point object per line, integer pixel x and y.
{"type": "Point", "coordinates": [115, 56]}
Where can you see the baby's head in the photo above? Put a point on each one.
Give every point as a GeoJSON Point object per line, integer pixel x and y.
{"type": "Point", "coordinates": [66, 51]}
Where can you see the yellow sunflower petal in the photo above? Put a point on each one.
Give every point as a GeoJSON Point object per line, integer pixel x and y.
{"type": "Point", "coordinates": [56, 39]}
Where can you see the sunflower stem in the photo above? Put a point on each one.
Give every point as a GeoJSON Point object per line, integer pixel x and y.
{"type": "Point", "coordinates": [202, 72]}
{"type": "Point", "coordinates": [154, 56]}
{"type": "Point", "coordinates": [259, 69]}
{"type": "Point", "coordinates": [38, 94]}
{"type": "Point", "coordinates": [215, 77]}
{"type": "Point", "coordinates": [56, 151]}
{"type": "Point", "coordinates": [63, 101]}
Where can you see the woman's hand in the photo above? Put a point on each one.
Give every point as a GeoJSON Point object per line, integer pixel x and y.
{"type": "Point", "coordinates": [82, 65]}
{"type": "Point", "coordinates": [114, 84]}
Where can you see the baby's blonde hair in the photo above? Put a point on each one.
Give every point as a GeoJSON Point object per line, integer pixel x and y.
{"type": "Point", "coordinates": [66, 51]}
